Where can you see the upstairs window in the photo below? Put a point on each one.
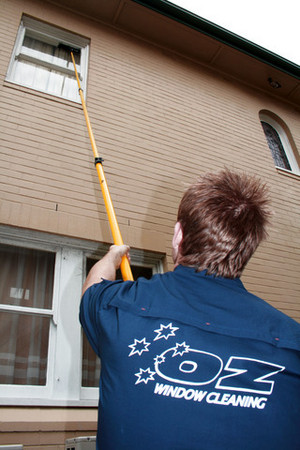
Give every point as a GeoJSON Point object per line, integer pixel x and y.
{"type": "Point", "coordinates": [280, 145]}
{"type": "Point", "coordinates": [276, 147]}
{"type": "Point", "coordinates": [41, 59]}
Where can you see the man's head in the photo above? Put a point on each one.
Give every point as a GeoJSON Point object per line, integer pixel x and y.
{"type": "Point", "coordinates": [221, 220]}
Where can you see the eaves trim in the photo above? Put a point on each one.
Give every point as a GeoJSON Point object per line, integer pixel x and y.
{"type": "Point", "coordinates": [214, 31]}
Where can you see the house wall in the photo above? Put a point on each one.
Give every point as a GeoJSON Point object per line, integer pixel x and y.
{"type": "Point", "coordinates": [45, 428]}
{"type": "Point", "coordinates": [159, 121]}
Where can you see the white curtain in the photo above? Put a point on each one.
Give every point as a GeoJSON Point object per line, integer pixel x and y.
{"type": "Point", "coordinates": [90, 365]}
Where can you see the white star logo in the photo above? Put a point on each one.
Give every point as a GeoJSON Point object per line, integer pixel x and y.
{"type": "Point", "coordinates": [139, 347]}
{"type": "Point", "coordinates": [165, 331]}
{"type": "Point", "coordinates": [180, 349]}
{"type": "Point", "coordinates": [159, 359]}
{"type": "Point", "coordinates": [144, 376]}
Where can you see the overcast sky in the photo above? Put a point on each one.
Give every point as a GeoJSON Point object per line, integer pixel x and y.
{"type": "Point", "coordinates": [272, 24]}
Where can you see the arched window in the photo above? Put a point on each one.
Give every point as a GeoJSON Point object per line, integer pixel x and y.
{"type": "Point", "coordinates": [280, 145]}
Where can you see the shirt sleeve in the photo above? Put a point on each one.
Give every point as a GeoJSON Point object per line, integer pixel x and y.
{"type": "Point", "coordinates": [95, 299]}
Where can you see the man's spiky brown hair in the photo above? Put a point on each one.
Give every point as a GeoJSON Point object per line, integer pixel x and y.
{"type": "Point", "coordinates": [223, 218]}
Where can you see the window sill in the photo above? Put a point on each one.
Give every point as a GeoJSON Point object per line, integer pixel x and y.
{"type": "Point", "coordinates": [287, 173]}
{"type": "Point", "coordinates": [48, 402]}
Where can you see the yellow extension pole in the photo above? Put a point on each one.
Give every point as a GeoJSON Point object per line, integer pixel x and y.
{"type": "Point", "coordinates": [117, 238]}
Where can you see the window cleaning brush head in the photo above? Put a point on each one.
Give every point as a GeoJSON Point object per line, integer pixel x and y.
{"type": "Point", "coordinates": [69, 49]}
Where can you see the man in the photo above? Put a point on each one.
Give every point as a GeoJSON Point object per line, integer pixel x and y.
{"type": "Point", "coordinates": [190, 359]}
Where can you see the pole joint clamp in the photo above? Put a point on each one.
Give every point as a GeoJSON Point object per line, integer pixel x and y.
{"type": "Point", "coordinates": [98, 160]}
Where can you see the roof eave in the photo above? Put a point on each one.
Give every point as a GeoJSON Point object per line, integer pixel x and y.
{"type": "Point", "coordinates": [222, 35]}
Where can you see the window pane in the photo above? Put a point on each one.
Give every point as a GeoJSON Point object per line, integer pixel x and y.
{"type": "Point", "coordinates": [70, 89]}
{"type": "Point", "coordinates": [49, 53]}
{"type": "Point", "coordinates": [42, 76]}
{"type": "Point", "coordinates": [276, 147]}
{"type": "Point", "coordinates": [90, 361]}
{"type": "Point", "coordinates": [45, 79]}
{"type": "Point", "coordinates": [26, 277]}
{"type": "Point", "coordinates": [90, 365]}
{"type": "Point", "coordinates": [137, 271]}
{"type": "Point", "coordinates": [23, 349]}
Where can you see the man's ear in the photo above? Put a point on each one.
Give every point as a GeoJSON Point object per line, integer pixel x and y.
{"type": "Point", "coordinates": [176, 241]}
{"type": "Point", "coordinates": [177, 238]}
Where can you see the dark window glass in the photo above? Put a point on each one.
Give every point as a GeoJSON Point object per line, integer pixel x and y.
{"type": "Point", "coordinates": [276, 147]}
{"type": "Point", "coordinates": [26, 277]}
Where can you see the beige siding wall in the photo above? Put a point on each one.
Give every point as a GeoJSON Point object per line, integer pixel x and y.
{"type": "Point", "coordinates": [159, 121]}
{"type": "Point", "coordinates": [45, 428]}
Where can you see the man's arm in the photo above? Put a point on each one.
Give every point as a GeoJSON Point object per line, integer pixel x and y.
{"type": "Point", "coordinates": [107, 266]}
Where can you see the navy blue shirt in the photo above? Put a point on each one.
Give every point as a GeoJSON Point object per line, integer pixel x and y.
{"type": "Point", "coordinates": [192, 362]}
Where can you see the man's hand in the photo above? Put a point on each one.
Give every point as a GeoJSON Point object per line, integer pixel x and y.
{"type": "Point", "coordinates": [116, 253]}
{"type": "Point", "coordinates": [107, 266]}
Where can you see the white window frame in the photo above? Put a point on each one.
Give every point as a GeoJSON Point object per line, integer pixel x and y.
{"type": "Point", "coordinates": [285, 143]}
{"type": "Point", "coordinates": [54, 36]}
{"type": "Point", "coordinates": [64, 364]}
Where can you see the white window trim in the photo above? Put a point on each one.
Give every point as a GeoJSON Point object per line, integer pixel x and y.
{"type": "Point", "coordinates": [285, 143]}
{"type": "Point", "coordinates": [64, 365]}
{"type": "Point", "coordinates": [54, 36]}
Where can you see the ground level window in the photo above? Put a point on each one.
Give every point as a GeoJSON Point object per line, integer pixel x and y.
{"type": "Point", "coordinates": [42, 350]}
